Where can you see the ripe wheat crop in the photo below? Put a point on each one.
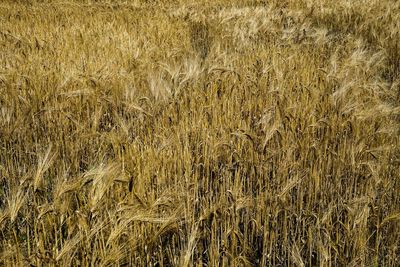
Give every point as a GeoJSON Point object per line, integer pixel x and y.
{"type": "Point", "coordinates": [199, 133]}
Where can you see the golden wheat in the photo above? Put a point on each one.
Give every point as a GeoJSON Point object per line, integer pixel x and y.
{"type": "Point", "coordinates": [199, 133]}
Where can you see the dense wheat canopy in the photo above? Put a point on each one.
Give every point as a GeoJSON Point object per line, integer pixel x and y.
{"type": "Point", "coordinates": [200, 133]}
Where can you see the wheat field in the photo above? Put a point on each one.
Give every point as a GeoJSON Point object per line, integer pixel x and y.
{"type": "Point", "coordinates": [199, 133]}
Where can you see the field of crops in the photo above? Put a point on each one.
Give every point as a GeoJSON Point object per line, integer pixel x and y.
{"type": "Point", "coordinates": [199, 133]}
